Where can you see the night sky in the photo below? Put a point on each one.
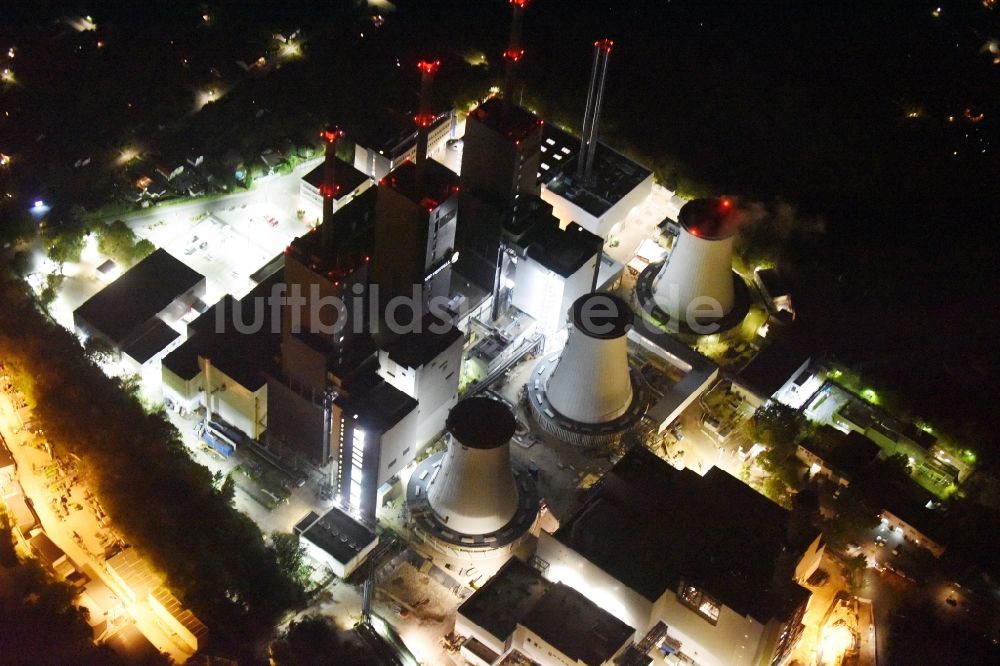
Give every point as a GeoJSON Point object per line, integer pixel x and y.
{"type": "Point", "coordinates": [840, 108]}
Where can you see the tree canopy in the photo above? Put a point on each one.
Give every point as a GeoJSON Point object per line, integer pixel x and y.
{"type": "Point", "coordinates": [163, 502]}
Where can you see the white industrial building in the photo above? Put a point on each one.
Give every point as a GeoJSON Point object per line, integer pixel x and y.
{"type": "Point", "coordinates": [586, 181]}
{"type": "Point", "coordinates": [558, 266]}
{"type": "Point", "coordinates": [549, 623]}
{"type": "Point", "coordinates": [380, 149]}
{"type": "Point", "coordinates": [426, 365]}
{"type": "Point", "coordinates": [336, 540]}
{"type": "Point", "coordinates": [375, 434]}
{"type": "Point", "coordinates": [718, 565]}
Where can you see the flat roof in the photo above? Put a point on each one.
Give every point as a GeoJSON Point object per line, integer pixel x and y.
{"type": "Point", "coordinates": [415, 349]}
{"type": "Point", "coordinates": [151, 342]}
{"type": "Point", "coordinates": [507, 597]}
{"type": "Point", "coordinates": [901, 495]}
{"type": "Point", "coordinates": [576, 626]}
{"type": "Point", "coordinates": [556, 613]}
{"type": "Point", "coordinates": [378, 404]}
{"type": "Point", "coordinates": [652, 526]}
{"type": "Point", "coordinates": [46, 548]}
{"type": "Point", "coordinates": [849, 456]}
{"type": "Point", "coordinates": [335, 533]}
{"type": "Point", "coordinates": [185, 617]}
{"type": "Point", "coordinates": [614, 176]}
{"type": "Point", "coordinates": [563, 251]}
{"type": "Point", "coordinates": [481, 423]}
{"type": "Point", "coordinates": [437, 185]}
{"type": "Point", "coordinates": [515, 124]}
{"type": "Point", "coordinates": [392, 135]}
{"type": "Point", "coordinates": [134, 571]}
{"type": "Point", "coordinates": [245, 357]}
{"type": "Point", "coordinates": [775, 364]}
{"type": "Point", "coordinates": [345, 177]}
{"type": "Point", "coordinates": [351, 239]}
{"type": "Point", "coordinates": [137, 296]}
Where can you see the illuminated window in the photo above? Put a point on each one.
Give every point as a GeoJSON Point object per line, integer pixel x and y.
{"type": "Point", "coordinates": [700, 602]}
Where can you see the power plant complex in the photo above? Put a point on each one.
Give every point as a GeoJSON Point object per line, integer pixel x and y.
{"type": "Point", "coordinates": [486, 350]}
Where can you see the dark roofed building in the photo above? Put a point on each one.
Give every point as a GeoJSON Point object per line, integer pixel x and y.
{"type": "Point", "coordinates": [375, 433]}
{"type": "Point", "coordinates": [708, 556]}
{"type": "Point", "coordinates": [337, 539]}
{"type": "Point", "coordinates": [388, 140]}
{"type": "Point", "coordinates": [774, 366]}
{"type": "Point", "coordinates": [347, 183]}
{"type": "Point", "coordinates": [617, 183]}
{"type": "Point", "coordinates": [563, 251]}
{"type": "Point", "coordinates": [226, 352]}
{"type": "Point", "coordinates": [131, 312]}
{"type": "Point", "coordinates": [519, 609]}
{"type": "Point", "coordinates": [577, 627]}
{"type": "Point", "coordinates": [841, 458]}
{"type": "Point", "coordinates": [415, 349]}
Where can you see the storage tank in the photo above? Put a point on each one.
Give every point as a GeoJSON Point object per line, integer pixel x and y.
{"type": "Point", "coordinates": [696, 282]}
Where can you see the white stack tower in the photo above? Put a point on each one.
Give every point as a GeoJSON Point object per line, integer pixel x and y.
{"type": "Point", "coordinates": [474, 491]}
{"type": "Point", "coordinates": [698, 274]}
{"type": "Point", "coordinates": [590, 383]}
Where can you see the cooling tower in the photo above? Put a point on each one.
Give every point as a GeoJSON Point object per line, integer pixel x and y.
{"type": "Point", "coordinates": [697, 278]}
{"type": "Point", "coordinates": [474, 491]}
{"type": "Point", "coordinates": [590, 382]}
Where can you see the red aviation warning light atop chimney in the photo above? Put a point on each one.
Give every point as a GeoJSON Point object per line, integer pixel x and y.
{"type": "Point", "coordinates": [424, 117]}
{"type": "Point", "coordinates": [514, 52]}
{"type": "Point", "coordinates": [331, 135]}
{"type": "Point", "coordinates": [604, 44]}
{"type": "Point", "coordinates": [429, 66]}
{"type": "Point", "coordinates": [513, 55]}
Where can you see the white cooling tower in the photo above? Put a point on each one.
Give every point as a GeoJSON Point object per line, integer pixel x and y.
{"type": "Point", "coordinates": [697, 277]}
{"type": "Point", "coordinates": [590, 383]}
{"type": "Point", "coordinates": [474, 492]}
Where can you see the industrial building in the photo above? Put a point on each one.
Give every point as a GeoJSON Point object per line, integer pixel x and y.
{"type": "Point", "coordinates": [426, 365]}
{"type": "Point", "coordinates": [416, 221]}
{"type": "Point", "coordinates": [385, 143]}
{"type": "Point", "coordinates": [347, 181]}
{"type": "Point", "coordinates": [318, 350]}
{"type": "Point", "coordinates": [469, 500]}
{"type": "Point", "coordinates": [500, 164]}
{"type": "Point", "coordinates": [718, 564]}
{"type": "Point", "coordinates": [223, 365]}
{"type": "Point", "coordinates": [594, 186]}
{"type": "Point", "coordinates": [337, 540]}
{"type": "Point", "coordinates": [373, 435]}
{"type": "Point", "coordinates": [586, 393]}
{"type": "Point", "coordinates": [554, 268]}
{"type": "Point", "coordinates": [134, 314]}
{"type": "Point", "coordinates": [550, 623]}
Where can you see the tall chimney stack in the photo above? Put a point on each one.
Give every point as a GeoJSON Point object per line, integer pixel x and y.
{"type": "Point", "coordinates": [591, 115]}
{"type": "Point", "coordinates": [329, 189]}
{"type": "Point", "coordinates": [425, 115]}
{"type": "Point", "coordinates": [514, 52]}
